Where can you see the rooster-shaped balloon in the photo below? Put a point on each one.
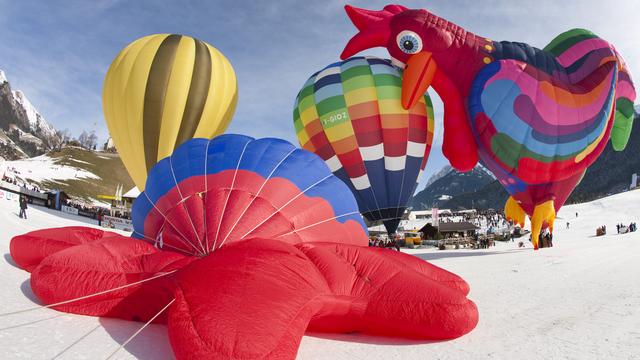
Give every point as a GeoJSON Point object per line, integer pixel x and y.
{"type": "Point", "coordinates": [536, 118]}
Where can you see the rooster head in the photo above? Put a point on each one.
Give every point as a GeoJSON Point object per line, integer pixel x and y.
{"type": "Point", "coordinates": [411, 37]}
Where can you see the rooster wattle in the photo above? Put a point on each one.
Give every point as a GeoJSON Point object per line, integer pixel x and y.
{"type": "Point", "coordinates": [536, 118]}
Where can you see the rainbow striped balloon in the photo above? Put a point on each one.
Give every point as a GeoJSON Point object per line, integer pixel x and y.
{"type": "Point", "coordinates": [350, 114]}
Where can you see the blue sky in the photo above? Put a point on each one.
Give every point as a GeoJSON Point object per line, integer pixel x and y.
{"type": "Point", "coordinates": [58, 52]}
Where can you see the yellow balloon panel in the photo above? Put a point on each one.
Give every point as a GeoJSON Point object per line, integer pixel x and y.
{"type": "Point", "coordinates": [162, 90]}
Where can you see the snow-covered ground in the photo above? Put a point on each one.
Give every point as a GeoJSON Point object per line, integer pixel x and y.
{"type": "Point", "coordinates": [578, 300]}
{"type": "Point", "coordinates": [45, 168]}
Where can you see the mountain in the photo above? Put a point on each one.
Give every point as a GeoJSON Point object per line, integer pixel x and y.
{"type": "Point", "coordinates": [439, 175]}
{"type": "Point", "coordinates": [610, 174]}
{"type": "Point", "coordinates": [447, 184]}
{"type": "Point", "coordinates": [24, 132]}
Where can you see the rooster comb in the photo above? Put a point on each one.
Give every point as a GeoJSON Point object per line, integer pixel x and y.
{"type": "Point", "coordinates": [373, 28]}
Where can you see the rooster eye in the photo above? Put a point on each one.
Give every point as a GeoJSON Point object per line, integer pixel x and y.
{"type": "Point", "coordinates": [409, 42]}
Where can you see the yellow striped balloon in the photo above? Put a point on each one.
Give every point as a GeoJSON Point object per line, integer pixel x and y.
{"type": "Point", "coordinates": [162, 90]}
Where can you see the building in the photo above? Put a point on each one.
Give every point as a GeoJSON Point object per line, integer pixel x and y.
{"type": "Point", "coordinates": [109, 145]}
{"type": "Point", "coordinates": [426, 214]}
{"type": "Point", "coordinates": [121, 203]}
{"type": "Point", "coordinates": [450, 229]}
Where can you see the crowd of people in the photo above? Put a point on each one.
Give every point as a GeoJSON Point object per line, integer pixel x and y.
{"type": "Point", "coordinates": [22, 184]}
{"type": "Point", "coordinates": [545, 239]}
{"type": "Point", "coordinates": [97, 211]}
{"type": "Point", "coordinates": [622, 229]}
{"type": "Point", "coordinates": [485, 242]}
{"type": "Point", "coordinates": [385, 243]}
{"type": "Point", "coordinates": [488, 219]}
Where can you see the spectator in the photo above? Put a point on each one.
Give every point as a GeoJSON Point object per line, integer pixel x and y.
{"type": "Point", "coordinates": [23, 206]}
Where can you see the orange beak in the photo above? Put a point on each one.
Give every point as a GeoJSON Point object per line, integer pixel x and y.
{"type": "Point", "coordinates": [417, 77]}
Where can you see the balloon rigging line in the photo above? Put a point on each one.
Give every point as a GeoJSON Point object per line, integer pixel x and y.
{"type": "Point", "coordinates": [224, 207]}
{"type": "Point", "coordinates": [206, 189]}
{"type": "Point", "coordinates": [140, 330]}
{"type": "Point", "coordinates": [285, 205]}
{"type": "Point", "coordinates": [90, 295]}
{"type": "Point", "coordinates": [256, 195]}
{"type": "Point", "coordinates": [183, 199]}
{"type": "Point", "coordinates": [158, 242]}
{"type": "Point", "coordinates": [186, 241]}
{"type": "Point", "coordinates": [375, 199]}
{"type": "Point", "coordinates": [373, 193]}
{"type": "Point", "coordinates": [404, 168]}
{"type": "Point", "coordinates": [31, 322]}
{"type": "Point", "coordinates": [162, 244]}
{"type": "Point", "coordinates": [76, 342]}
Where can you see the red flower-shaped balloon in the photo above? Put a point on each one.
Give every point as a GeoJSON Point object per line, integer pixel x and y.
{"type": "Point", "coordinates": [246, 244]}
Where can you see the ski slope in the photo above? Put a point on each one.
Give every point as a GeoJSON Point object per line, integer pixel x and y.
{"type": "Point", "coordinates": [43, 167]}
{"type": "Point", "coordinates": [578, 300]}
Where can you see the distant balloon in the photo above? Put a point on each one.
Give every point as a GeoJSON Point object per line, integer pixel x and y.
{"type": "Point", "coordinates": [350, 114]}
{"type": "Point", "coordinates": [162, 90]}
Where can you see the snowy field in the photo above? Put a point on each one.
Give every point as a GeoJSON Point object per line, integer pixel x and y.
{"type": "Point", "coordinates": [45, 168]}
{"type": "Point", "coordinates": [578, 300]}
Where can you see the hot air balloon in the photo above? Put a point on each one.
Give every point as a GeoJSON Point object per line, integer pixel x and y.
{"type": "Point", "coordinates": [537, 118]}
{"type": "Point", "coordinates": [350, 114]}
{"type": "Point", "coordinates": [258, 225]}
{"type": "Point", "coordinates": [209, 193]}
{"type": "Point", "coordinates": [162, 90]}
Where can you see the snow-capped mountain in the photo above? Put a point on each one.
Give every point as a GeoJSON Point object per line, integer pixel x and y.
{"type": "Point", "coordinates": [448, 183]}
{"type": "Point", "coordinates": [440, 174]}
{"type": "Point", "coordinates": [24, 132]}
{"type": "Point", "coordinates": [37, 123]}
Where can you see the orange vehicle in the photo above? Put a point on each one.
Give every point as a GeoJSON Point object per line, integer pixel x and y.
{"type": "Point", "coordinates": [413, 238]}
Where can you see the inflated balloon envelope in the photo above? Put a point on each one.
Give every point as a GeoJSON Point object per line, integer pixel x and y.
{"type": "Point", "coordinates": [350, 114]}
{"type": "Point", "coordinates": [246, 244]}
{"type": "Point", "coordinates": [162, 90]}
{"type": "Point", "coordinates": [537, 118]}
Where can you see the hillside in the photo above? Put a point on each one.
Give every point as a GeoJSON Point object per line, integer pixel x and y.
{"type": "Point", "coordinates": [611, 173]}
{"type": "Point", "coordinates": [80, 173]}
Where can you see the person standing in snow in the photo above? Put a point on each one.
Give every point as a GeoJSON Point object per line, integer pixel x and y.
{"type": "Point", "coordinates": [23, 206]}
{"type": "Point", "coordinates": [567, 224]}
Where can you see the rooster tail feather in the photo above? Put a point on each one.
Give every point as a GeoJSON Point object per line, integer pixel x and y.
{"type": "Point", "coordinates": [570, 50]}
{"type": "Point", "coordinates": [625, 97]}
{"type": "Point", "coordinates": [565, 41]}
